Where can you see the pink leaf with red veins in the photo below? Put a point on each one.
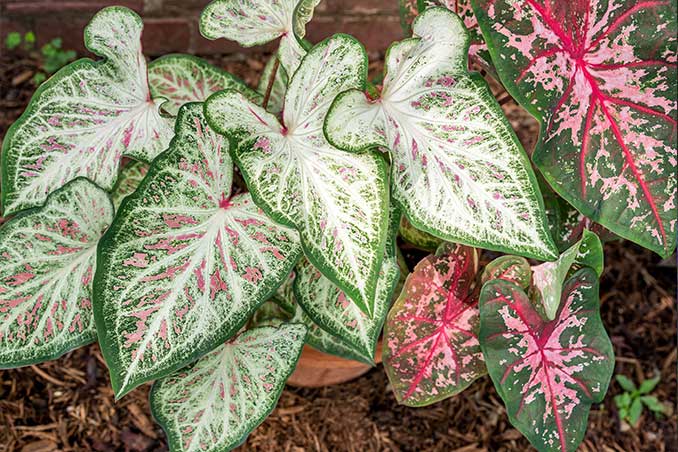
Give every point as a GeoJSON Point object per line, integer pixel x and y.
{"type": "Point", "coordinates": [601, 78]}
{"type": "Point", "coordinates": [432, 349]}
{"type": "Point", "coordinates": [547, 372]}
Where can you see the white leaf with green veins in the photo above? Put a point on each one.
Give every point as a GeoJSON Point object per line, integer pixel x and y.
{"type": "Point", "coordinates": [256, 22]}
{"type": "Point", "coordinates": [458, 169]}
{"type": "Point", "coordinates": [129, 179]}
{"type": "Point", "coordinates": [186, 263]}
{"type": "Point", "coordinates": [276, 99]}
{"type": "Point", "coordinates": [337, 200]}
{"type": "Point", "coordinates": [186, 78]}
{"type": "Point", "coordinates": [83, 119]}
{"type": "Point", "coordinates": [47, 260]}
{"type": "Point", "coordinates": [214, 404]}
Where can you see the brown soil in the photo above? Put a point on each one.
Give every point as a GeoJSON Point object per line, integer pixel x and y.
{"type": "Point", "coordinates": [68, 405]}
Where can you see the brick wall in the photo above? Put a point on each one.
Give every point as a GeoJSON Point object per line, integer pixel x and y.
{"type": "Point", "coordinates": [171, 25]}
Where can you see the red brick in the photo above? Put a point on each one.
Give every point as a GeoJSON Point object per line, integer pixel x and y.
{"type": "Point", "coordinates": [162, 36]}
{"type": "Point", "coordinates": [375, 32]}
{"type": "Point", "coordinates": [357, 7]}
{"type": "Point", "coordinates": [52, 6]}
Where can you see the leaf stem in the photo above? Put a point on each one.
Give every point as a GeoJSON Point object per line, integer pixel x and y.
{"type": "Point", "coordinates": [271, 80]}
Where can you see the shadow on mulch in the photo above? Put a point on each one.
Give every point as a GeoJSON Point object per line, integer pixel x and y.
{"type": "Point", "coordinates": [68, 405]}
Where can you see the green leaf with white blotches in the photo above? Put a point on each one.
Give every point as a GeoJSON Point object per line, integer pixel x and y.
{"type": "Point", "coordinates": [83, 119]}
{"type": "Point", "coordinates": [256, 22]}
{"type": "Point", "coordinates": [128, 180]}
{"type": "Point", "coordinates": [338, 201]}
{"type": "Point", "coordinates": [186, 78]}
{"type": "Point", "coordinates": [212, 405]}
{"type": "Point", "coordinates": [48, 257]}
{"type": "Point", "coordinates": [458, 169]}
{"type": "Point", "coordinates": [186, 263]}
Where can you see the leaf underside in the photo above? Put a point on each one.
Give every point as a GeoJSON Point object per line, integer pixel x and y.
{"type": "Point", "coordinates": [48, 259]}
{"type": "Point", "coordinates": [83, 119]}
{"type": "Point", "coordinates": [185, 78]}
{"type": "Point", "coordinates": [600, 76]}
{"type": "Point", "coordinates": [185, 264]}
{"type": "Point", "coordinates": [547, 372]}
{"type": "Point", "coordinates": [215, 403]}
{"type": "Point", "coordinates": [431, 345]}
{"type": "Point", "coordinates": [458, 170]}
{"type": "Point", "coordinates": [337, 200]}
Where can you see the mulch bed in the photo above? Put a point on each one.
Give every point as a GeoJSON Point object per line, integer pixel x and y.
{"type": "Point", "coordinates": [68, 405]}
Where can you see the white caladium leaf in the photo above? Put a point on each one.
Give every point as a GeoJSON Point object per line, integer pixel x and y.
{"type": "Point", "coordinates": [129, 179]}
{"type": "Point", "coordinates": [547, 372]}
{"type": "Point", "coordinates": [458, 169]}
{"type": "Point", "coordinates": [338, 201]}
{"type": "Point", "coordinates": [431, 335]}
{"type": "Point", "coordinates": [47, 260]}
{"type": "Point", "coordinates": [255, 22]}
{"type": "Point", "coordinates": [82, 120]}
{"type": "Point", "coordinates": [276, 99]}
{"type": "Point", "coordinates": [186, 78]}
{"type": "Point", "coordinates": [548, 278]}
{"type": "Point", "coordinates": [331, 309]}
{"type": "Point", "coordinates": [185, 264]}
{"type": "Point", "coordinates": [212, 405]}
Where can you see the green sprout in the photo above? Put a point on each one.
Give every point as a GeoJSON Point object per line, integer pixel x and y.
{"type": "Point", "coordinates": [631, 402]}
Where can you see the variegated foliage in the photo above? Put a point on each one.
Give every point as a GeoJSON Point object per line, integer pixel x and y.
{"type": "Point", "coordinates": [276, 99]}
{"type": "Point", "coordinates": [185, 263]}
{"type": "Point", "coordinates": [185, 78]}
{"type": "Point", "coordinates": [547, 372]}
{"type": "Point", "coordinates": [600, 76]}
{"type": "Point", "coordinates": [255, 22]}
{"type": "Point", "coordinates": [129, 179]}
{"type": "Point", "coordinates": [458, 170]}
{"type": "Point", "coordinates": [331, 309]}
{"type": "Point", "coordinates": [212, 405]}
{"type": "Point", "coordinates": [508, 268]}
{"type": "Point", "coordinates": [337, 200]}
{"type": "Point", "coordinates": [47, 259]}
{"type": "Point", "coordinates": [431, 344]}
{"type": "Point", "coordinates": [417, 238]}
{"type": "Point", "coordinates": [83, 119]}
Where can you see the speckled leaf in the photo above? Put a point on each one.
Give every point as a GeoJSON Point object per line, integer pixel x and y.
{"type": "Point", "coordinates": [214, 404]}
{"type": "Point", "coordinates": [276, 99]}
{"type": "Point", "coordinates": [548, 278]}
{"type": "Point", "coordinates": [547, 372]}
{"type": "Point", "coordinates": [129, 179]}
{"type": "Point", "coordinates": [255, 22]}
{"type": "Point", "coordinates": [458, 170]}
{"type": "Point", "coordinates": [82, 120]}
{"type": "Point", "coordinates": [337, 200]}
{"type": "Point", "coordinates": [431, 346]}
{"type": "Point", "coordinates": [600, 76]}
{"type": "Point", "coordinates": [185, 264]}
{"type": "Point", "coordinates": [47, 260]}
{"type": "Point", "coordinates": [330, 309]}
{"type": "Point", "coordinates": [420, 239]}
{"type": "Point", "coordinates": [186, 78]}
{"type": "Point", "coordinates": [509, 268]}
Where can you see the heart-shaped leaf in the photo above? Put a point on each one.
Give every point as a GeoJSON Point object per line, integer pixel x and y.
{"type": "Point", "coordinates": [83, 119]}
{"type": "Point", "coordinates": [48, 257]}
{"type": "Point", "coordinates": [548, 278]}
{"type": "Point", "coordinates": [431, 345]}
{"type": "Point", "coordinates": [255, 22]}
{"type": "Point", "coordinates": [186, 78]}
{"type": "Point", "coordinates": [601, 79]}
{"type": "Point", "coordinates": [214, 404]}
{"type": "Point", "coordinates": [129, 179]}
{"type": "Point", "coordinates": [458, 170]}
{"type": "Point", "coordinates": [338, 201]}
{"type": "Point", "coordinates": [185, 264]}
{"type": "Point", "coordinates": [276, 98]}
{"type": "Point", "coordinates": [330, 309]}
{"type": "Point", "coordinates": [547, 372]}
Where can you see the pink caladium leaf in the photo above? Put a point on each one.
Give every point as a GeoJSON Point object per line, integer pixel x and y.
{"type": "Point", "coordinates": [185, 78]}
{"type": "Point", "coordinates": [86, 117]}
{"type": "Point", "coordinates": [185, 263]}
{"type": "Point", "coordinates": [431, 346]}
{"type": "Point", "coordinates": [547, 372]}
{"type": "Point", "coordinates": [212, 405]}
{"type": "Point", "coordinates": [47, 260]}
{"type": "Point", "coordinates": [458, 171]}
{"type": "Point", "coordinates": [600, 76]}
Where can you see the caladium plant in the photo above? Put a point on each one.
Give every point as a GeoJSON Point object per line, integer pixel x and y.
{"type": "Point", "coordinates": [126, 224]}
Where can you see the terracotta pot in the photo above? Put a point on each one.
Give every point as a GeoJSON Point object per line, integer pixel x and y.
{"type": "Point", "coordinates": [316, 369]}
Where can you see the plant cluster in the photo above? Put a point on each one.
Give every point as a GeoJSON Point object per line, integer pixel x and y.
{"type": "Point", "coordinates": [631, 402]}
{"type": "Point", "coordinates": [126, 226]}
{"type": "Point", "coordinates": [52, 57]}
